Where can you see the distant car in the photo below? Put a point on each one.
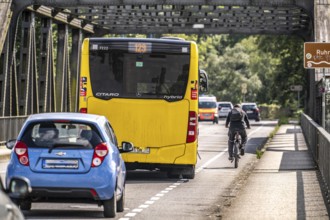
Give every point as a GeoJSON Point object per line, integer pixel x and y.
{"type": "Point", "coordinates": [224, 108]}
{"type": "Point", "coordinates": [18, 187]}
{"type": "Point", "coordinates": [251, 110]}
{"type": "Point", "coordinates": [70, 157]}
{"type": "Point", "coordinates": [207, 109]}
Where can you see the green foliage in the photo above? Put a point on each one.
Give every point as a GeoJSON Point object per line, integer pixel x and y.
{"type": "Point", "coordinates": [229, 68]}
{"type": "Point", "coordinates": [259, 153]}
{"type": "Point", "coordinates": [273, 111]}
{"type": "Point", "coordinates": [268, 65]}
{"type": "Point", "coordinates": [283, 120]}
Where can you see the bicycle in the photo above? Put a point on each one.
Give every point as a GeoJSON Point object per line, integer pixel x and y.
{"type": "Point", "coordinates": [236, 148]}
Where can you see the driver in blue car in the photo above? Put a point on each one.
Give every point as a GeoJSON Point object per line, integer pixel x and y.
{"type": "Point", "coordinates": [237, 120]}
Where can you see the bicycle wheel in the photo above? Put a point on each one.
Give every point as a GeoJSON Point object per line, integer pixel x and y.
{"type": "Point", "coordinates": [235, 151]}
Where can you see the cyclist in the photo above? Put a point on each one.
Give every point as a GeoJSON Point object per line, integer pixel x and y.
{"type": "Point", "coordinates": [237, 119]}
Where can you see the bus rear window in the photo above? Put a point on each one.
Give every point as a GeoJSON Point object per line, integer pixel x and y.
{"type": "Point", "coordinates": [122, 73]}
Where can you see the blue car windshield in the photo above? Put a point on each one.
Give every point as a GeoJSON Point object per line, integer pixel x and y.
{"type": "Point", "coordinates": [47, 134]}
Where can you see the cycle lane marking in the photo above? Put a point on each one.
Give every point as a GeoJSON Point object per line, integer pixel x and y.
{"type": "Point", "coordinates": [162, 193]}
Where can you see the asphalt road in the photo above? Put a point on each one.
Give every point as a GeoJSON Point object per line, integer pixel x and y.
{"type": "Point", "coordinates": [151, 195]}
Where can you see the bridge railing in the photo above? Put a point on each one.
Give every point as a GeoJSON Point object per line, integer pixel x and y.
{"type": "Point", "coordinates": [10, 127]}
{"type": "Point", "coordinates": [318, 140]}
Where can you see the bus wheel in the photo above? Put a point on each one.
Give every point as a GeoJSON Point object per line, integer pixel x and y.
{"type": "Point", "coordinates": [189, 173]}
{"type": "Point", "coordinates": [173, 175]}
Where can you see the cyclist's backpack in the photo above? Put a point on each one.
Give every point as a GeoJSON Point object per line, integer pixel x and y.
{"type": "Point", "coordinates": [236, 115]}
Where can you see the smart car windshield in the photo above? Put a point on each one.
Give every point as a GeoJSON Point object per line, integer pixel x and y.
{"type": "Point", "coordinates": [207, 105]}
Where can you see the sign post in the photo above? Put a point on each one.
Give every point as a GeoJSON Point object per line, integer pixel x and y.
{"type": "Point", "coordinates": [298, 89]}
{"type": "Point", "coordinates": [317, 55]}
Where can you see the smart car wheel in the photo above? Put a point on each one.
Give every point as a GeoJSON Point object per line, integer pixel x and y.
{"type": "Point", "coordinates": [109, 207]}
{"type": "Point", "coordinates": [121, 202]}
{"type": "Point", "coordinates": [25, 205]}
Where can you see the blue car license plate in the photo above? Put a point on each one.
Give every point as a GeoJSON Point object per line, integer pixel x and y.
{"type": "Point", "coordinates": [60, 164]}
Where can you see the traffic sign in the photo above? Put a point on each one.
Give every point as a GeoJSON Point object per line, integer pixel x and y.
{"type": "Point", "coordinates": [297, 88]}
{"type": "Point", "coordinates": [316, 55]}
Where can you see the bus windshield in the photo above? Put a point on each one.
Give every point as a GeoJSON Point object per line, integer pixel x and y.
{"type": "Point", "coordinates": [118, 72]}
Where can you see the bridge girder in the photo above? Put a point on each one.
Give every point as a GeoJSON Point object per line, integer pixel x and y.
{"type": "Point", "coordinates": [288, 17]}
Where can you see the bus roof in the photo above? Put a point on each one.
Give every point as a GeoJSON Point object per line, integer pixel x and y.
{"type": "Point", "coordinates": [152, 40]}
{"type": "Point", "coordinates": [207, 98]}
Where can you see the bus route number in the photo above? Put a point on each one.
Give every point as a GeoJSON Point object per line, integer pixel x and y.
{"type": "Point", "coordinates": [137, 47]}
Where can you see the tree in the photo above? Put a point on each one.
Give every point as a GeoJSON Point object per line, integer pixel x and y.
{"type": "Point", "coordinates": [229, 71]}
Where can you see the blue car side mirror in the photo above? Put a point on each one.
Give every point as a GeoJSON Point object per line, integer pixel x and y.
{"type": "Point", "coordinates": [10, 144]}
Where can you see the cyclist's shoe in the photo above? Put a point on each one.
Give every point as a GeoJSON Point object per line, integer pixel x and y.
{"type": "Point", "coordinates": [242, 151]}
{"type": "Point", "coordinates": [231, 158]}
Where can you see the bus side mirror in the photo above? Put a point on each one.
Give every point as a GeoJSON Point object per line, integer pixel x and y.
{"type": "Point", "coordinates": [126, 147]}
{"type": "Point", "coordinates": [203, 81]}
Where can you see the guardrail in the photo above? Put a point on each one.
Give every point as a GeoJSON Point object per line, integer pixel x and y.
{"type": "Point", "coordinates": [10, 127]}
{"type": "Point", "coordinates": [318, 140]}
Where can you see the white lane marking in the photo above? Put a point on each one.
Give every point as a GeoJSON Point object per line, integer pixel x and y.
{"type": "Point", "coordinates": [131, 214]}
{"type": "Point", "coordinates": [149, 202]}
{"type": "Point", "coordinates": [250, 134]}
{"type": "Point", "coordinates": [84, 206]}
{"type": "Point", "coordinates": [124, 219]}
{"type": "Point", "coordinates": [175, 185]}
{"type": "Point", "coordinates": [210, 161]}
{"type": "Point", "coordinates": [220, 154]}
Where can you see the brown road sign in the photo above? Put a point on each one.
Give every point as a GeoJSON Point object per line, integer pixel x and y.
{"type": "Point", "coordinates": [316, 55]}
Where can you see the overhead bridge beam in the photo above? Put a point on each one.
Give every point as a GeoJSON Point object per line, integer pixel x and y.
{"type": "Point", "coordinates": [63, 18]}
{"type": "Point", "coordinates": [289, 17]}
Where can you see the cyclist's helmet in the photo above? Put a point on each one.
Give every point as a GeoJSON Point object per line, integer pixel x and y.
{"type": "Point", "coordinates": [237, 106]}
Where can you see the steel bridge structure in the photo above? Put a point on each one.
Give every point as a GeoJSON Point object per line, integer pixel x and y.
{"type": "Point", "coordinates": [40, 40]}
{"type": "Point", "coordinates": [40, 43]}
{"type": "Point", "coordinates": [40, 74]}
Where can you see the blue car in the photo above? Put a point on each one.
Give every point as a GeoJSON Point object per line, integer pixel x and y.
{"type": "Point", "coordinates": [70, 157]}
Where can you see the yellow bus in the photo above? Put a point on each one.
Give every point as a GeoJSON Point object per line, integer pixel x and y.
{"type": "Point", "coordinates": [148, 89]}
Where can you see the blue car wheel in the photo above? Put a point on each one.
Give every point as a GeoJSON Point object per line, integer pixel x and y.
{"type": "Point", "coordinates": [110, 206]}
{"type": "Point", "coordinates": [121, 201]}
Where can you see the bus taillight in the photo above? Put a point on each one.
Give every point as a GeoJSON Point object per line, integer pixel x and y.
{"type": "Point", "coordinates": [192, 127]}
{"type": "Point", "coordinates": [83, 110]}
